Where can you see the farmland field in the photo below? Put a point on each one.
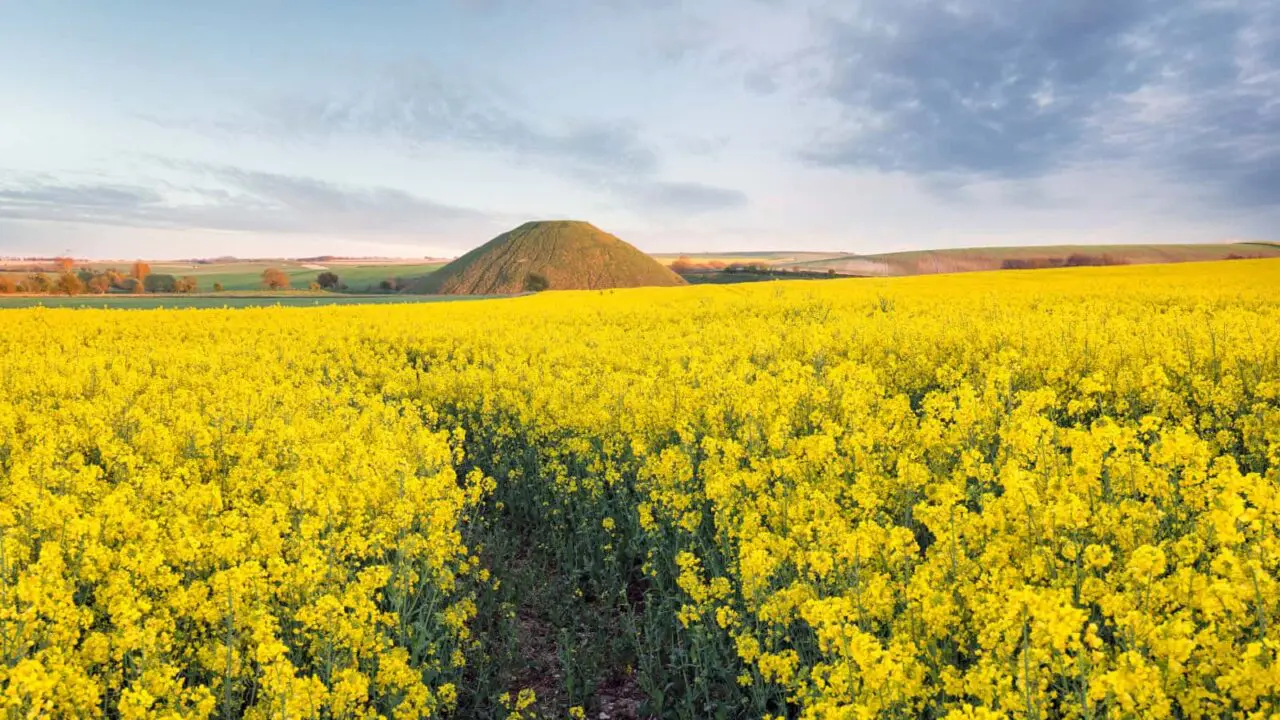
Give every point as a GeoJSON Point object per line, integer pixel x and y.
{"type": "Point", "coordinates": [749, 257]}
{"type": "Point", "coordinates": [218, 300]}
{"type": "Point", "coordinates": [247, 274]}
{"type": "Point", "coordinates": [1025, 494]}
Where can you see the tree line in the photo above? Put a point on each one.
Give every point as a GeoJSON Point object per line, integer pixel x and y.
{"type": "Point", "coordinates": [67, 279]}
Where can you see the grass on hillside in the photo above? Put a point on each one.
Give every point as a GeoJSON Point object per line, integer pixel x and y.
{"type": "Point", "coordinates": [556, 255]}
{"type": "Point", "coordinates": [923, 262]}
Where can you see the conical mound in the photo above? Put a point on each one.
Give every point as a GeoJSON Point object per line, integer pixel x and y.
{"type": "Point", "coordinates": [549, 255]}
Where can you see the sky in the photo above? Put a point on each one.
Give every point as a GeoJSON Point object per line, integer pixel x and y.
{"type": "Point", "coordinates": [264, 128]}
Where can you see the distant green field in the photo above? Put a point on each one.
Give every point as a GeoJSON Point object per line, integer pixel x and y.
{"type": "Point", "coordinates": [151, 302]}
{"type": "Point", "coordinates": [761, 257]}
{"type": "Point", "coordinates": [247, 275]}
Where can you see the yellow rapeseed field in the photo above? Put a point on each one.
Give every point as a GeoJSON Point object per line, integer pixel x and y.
{"type": "Point", "coordinates": [1042, 494]}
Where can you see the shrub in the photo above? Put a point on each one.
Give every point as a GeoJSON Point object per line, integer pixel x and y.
{"type": "Point", "coordinates": [70, 284]}
{"type": "Point", "coordinates": [1034, 263]}
{"type": "Point", "coordinates": [186, 284]}
{"type": "Point", "coordinates": [37, 283]}
{"type": "Point", "coordinates": [160, 283]}
{"type": "Point", "coordinates": [1083, 260]}
{"type": "Point", "coordinates": [99, 284]}
{"type": "Point", "coordinates": [217, 287]}
{"type": "Point", "coordinates": [533, 282]}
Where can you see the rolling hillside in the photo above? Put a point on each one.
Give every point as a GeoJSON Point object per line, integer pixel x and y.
{"type": "Point", "coordinates": [925, 262]}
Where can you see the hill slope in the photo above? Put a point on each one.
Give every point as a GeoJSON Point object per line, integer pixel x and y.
{"type": "Point", "coordinates": [925, 262]}
{"type": "Point", "coordinates": [566, 254]}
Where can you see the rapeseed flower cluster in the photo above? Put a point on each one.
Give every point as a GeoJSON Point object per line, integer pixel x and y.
{"type": "Point", "coordinates": [221, 514]}
{"type": "Point", "coordinates": [1037, 495]}
{"type": "Point", "coordinates": [1048, 494]}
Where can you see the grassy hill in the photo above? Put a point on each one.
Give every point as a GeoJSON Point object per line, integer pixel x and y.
{"type": "Point", "coordinates": [924, 262]}
{"type": "Point", "coordinates": [554, 255]}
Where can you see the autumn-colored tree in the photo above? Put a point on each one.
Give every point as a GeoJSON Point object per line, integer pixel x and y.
{"type": "Point", "coordinates": [140, 271]}
{"type": "Point", "coordinates": [70, 283]}
{"type": "Point", "coordinates": [8, 285]}
{"type": "Point", "coordinates": [133, 285]}
{"type": "Point", "coordinates": [682, 264]}
{"type": "Point", "coordinates": [275, 279]}
{"type": "Point", "coordinates": [186, 284]}
{"type": "Point", "coordinates": [99, 284]}
{"type": "Point", "coordinates": [64, 264]}
{"type": "Point", "coordinates": [37, 283]}
{"type": "Point", "coordinates": [114, 277]}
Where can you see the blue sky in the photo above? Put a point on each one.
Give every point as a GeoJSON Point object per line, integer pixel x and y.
{"type": "Point", "coordinates": [181, 129]}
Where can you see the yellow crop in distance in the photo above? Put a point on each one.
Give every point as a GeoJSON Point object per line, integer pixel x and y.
{"type": "Point", "coordinates": [1022, 494]}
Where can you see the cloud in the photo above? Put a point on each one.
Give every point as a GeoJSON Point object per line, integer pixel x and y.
{"type": "Point", "coordinates": [236, 199]}
{"type": "Point", "coordinates": [41, 195]}
{"type": "Point", "coordinates": [760, 81]}
{"type": "Point", "coordinates": [311, 202]}
{"type": "Point", "coordinates": [412, 105]}
{"type": "Point", "coordinates": [39, 198]}
{"type": "Point", "coordinates": [1022, 89]}
{"type": "Point", "coordinates": [680, 198]}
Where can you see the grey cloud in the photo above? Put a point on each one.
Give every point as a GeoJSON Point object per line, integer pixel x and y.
{"type": "Point", "coordinates": [760, 81]}
{"type": "Point", "coordinates": [40, 194]}
{"type": "Point", "coordinates": [315, 201]}
{"type": "Point", "coordinates": [245, 201]}
{"type": "Point", "coordinates": [999, 88]}
{"type": "Point", "coordinates": [414, 106]}
{"type": "Point", "coordinates": [1019, 89]}
{"type": "Point", "coordinates": [681, 198]}
{"type": "Point", "coordinates": [41, 198]}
